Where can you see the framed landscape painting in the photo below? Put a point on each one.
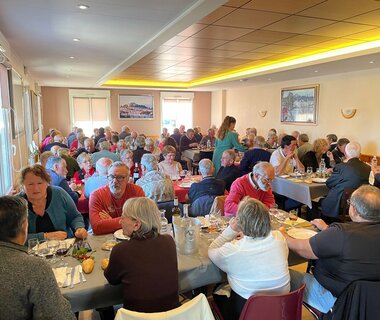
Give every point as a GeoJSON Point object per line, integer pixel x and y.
{"type": "Point", "coordinates": [136, 107]}
{"type": "Point", "coordinates": [299, 104]}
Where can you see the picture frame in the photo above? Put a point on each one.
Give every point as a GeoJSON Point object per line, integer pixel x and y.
{"type": "Point", "coordinates": [17, 103]}
{"type": "Point", "coordinates": [135, 107]}
{"type": "Point", "coordinates": [299, 105]}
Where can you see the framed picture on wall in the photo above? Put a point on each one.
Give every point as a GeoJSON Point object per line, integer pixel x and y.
{"type": "Point", "coordinates": [135, 107]}
{"type": "Point", "coordinates": [16, 99]}
{"type": "Point", "coordinates": [299, 105]}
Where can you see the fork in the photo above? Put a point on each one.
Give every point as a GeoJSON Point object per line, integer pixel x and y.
{"type": "Point", "coordinates": [66, 283]}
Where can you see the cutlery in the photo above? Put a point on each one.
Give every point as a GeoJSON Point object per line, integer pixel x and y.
{"type": "Point", "coordinates": [66, 282]}
{"type": "Point", "coordinates": [72, 278]}
{"type": "Point", "coordinates": [81, 275]}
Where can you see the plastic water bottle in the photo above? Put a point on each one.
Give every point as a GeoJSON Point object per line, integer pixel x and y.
{"type": "Point", "coordinates": [185, 221]}
{"type": "Point", "coordinates": [374, 162]}
{"type": "Point", "coordinates": [164, 222]}
{"type": "Point", "coordinates": [322, 167]}
{"type": "Point", "coordinates": [208, 144]}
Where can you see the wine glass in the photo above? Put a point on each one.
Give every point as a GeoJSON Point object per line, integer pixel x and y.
{"type": "Point", "coordinates": [182, 174]}
{"type": "Point", "coordinates": [309, 171]}
{"type": "Point", "coordinates": [53, 245]}
{"type": "Point", "coordinates": [61, 252]}
{"type": "Point", "coordinates": [32, 246]}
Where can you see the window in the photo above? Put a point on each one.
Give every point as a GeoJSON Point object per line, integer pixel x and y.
{"type": "Point", "coordinates": [176, 109]}
{"type": "Point", "coordinates": [6, 180]}
{"type": "Point", "coordinates": [89, 109]}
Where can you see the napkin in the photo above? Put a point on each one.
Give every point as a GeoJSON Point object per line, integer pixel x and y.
{"type": "Point", "coordinates": [60, 275]}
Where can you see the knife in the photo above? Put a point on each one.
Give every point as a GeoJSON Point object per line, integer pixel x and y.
{"type": "Point", "coordinates": [81, 275]}
{"type": "Point", "coordinates": [72, 278]}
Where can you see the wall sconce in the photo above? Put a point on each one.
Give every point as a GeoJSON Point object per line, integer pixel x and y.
{"type": "Point", "coordinates": [348, 113]}
{"type": "Point", "coordinates": [262, 113]}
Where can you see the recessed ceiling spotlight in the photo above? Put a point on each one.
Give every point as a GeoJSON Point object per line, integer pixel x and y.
{"type": "Point", "coordinates": [72, 57]}
{"type": "Point", "coordinates": [316, 71]}
{"type": "Point", "coordinates": [76, 39]}
{"type": "Point", "coordinates": [83, 6]}
{"type": "Point", "coordinates": [269, 79]}
{"type": "Point", "coordinates": [372, 62]}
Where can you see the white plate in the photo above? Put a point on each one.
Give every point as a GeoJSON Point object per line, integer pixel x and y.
{"type": "Point", "coordinates": [300, 233]}
{"type": "Point", "coordinates": [119, 235]}
{"type": "Point", "coordinates": [296, 175]}
{"type": "Point", "coordinates": [284, 176]}
{"type": "Point", "coordinates": [185, 185]}
{"type": "Point", "coordinates": [319, 180]}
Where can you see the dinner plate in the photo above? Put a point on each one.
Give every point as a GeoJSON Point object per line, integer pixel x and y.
{"type": "Point", "coordinates": [284, 176]}
{"type": "Point", "coordinates": [118, 234]}
{"type": "Point", "coordinates": [319, 180]}
{"type": "Point", "coordinates": [301, 233]}
{"type": "Point", "coordinates": [185, 185]}
{"type": "Point", "coordinates": [296, 175]}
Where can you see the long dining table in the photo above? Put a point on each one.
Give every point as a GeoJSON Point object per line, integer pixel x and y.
{"type": "Point", "coordinates": [298, 189]}
{"type": "Point", "coordinates": [195, 270]}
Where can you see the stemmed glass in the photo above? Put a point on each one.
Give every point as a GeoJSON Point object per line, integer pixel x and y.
{"type": "Point", "coordinates": [309, 172]}
{"type": "Point", "coordinates": [32, 246]}
{"type": "Point", "coordinates": [53, 245]}
{"type": "Point", "coordinates": [61, 251]}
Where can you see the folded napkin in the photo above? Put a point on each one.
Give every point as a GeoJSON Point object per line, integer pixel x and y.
{"type": "Point", "coordinates": [61, 275]}
{"type": "Point", "coordinates": [223, 289]}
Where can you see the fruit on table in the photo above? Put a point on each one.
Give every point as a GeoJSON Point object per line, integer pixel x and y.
{"type": "Point", "coordinates": [104, 263]}
{"type": "Point", "coordinates": [88, 265]}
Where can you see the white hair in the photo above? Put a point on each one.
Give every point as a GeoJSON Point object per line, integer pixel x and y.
{"type": "Point", "coordinates": [149, 161]}
{"type": "Point", "coordinates": [206, 167]}
{"type": "Point", "coordinates": [353, 150]}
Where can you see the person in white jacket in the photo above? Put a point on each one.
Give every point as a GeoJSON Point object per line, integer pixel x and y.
{"type": "Point", "coordinates": [254, 258]}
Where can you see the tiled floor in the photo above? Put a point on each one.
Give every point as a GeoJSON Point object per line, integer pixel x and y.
{"type": "Point", "coordinates": [93, 315]}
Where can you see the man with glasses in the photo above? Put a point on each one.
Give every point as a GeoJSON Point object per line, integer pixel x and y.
{"type": "Point", "coordinates": [343, 252]}
{"type": "Point", "coordinates": [106, 203]}
{"type": "Point", "coordinates": [257, 184]}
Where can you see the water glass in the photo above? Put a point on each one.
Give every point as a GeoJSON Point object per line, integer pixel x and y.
{"type": "Point", "coordinates": [33, 246]}
{"type": "Point", "coordinates": [53, 245]}
{"type": "Point", "coordinates": [309, 171]}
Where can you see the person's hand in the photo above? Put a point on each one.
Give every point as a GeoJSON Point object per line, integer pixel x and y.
{"type": "Point", "coordinates": [240, 235]}
{"type": "Point", "coordinates": [104, 215]}
{"type": "Point", "coordinates": [233, 224]}
{"type": "Point", "coordinates": [290, 155]}
{"type": "Point", "coordinates": [319, 223]}
{"type": "Point", "coordinates": [80, 233]}
{"type": "Point", "coordinates": [59, 235]}
{"type": "Point", "coordinates": [330, 155]}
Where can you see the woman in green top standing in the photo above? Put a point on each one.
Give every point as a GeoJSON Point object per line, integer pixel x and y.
{"type": "Point", "coordinates": [226, 139]}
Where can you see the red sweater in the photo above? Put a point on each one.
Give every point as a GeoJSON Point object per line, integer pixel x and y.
{"type": "Point", "coordinates": [102, 199]}
{"type": "Point", "coordinates": [242, 187]}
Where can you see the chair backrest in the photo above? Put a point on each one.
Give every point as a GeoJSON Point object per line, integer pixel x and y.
{"type": "Point", "coordinates": [344, 207]}
{"type": "Point", "coordinates": [218, 205]}
{"type": "Point", "coordinates": [202, 206]}
{"type": "Point", "coordinates": [196, 309]}
{"type": "Point", "coordinates": [274, 307]}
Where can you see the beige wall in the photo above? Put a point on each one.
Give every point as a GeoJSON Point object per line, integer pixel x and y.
{"type": "Point", "coordinates": [56, 111]}
{"type": "Point", "coordinates": [348, 90]}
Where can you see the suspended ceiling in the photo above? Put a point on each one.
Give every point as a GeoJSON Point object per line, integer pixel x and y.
{"type": "Point", "coordinates": [186, 44]}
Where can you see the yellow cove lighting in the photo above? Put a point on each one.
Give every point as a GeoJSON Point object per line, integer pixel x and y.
{"type": "Point", "coordinates": [322, 54]}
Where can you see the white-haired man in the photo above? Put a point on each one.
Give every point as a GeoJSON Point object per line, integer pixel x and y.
{"type": "Point", "coordinates": [99, 178]}
{"type": "Point", "coordinates": [58, 141]}
{"type": "Point", "coordinates": [156, 186]}
{"type": "Point", "coordinates": [343, 252]}
{"type": "Point", "coordinates": [257, 185]}
{"type": "Point", "coordinates": [202, 194]}
{"type": "Point", "coordinates": [351, 174]}
{"type": "Point", "coordinates": [125, 132]}
{"type": "Point", "coordinates": [104, 152]}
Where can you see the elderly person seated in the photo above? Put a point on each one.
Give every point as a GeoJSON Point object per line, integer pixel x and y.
{"type": "Point", "coordinates": [56, 168]}
{"type": "Point", "coordinates": [139, 151]}
{"type": "Point", "coordinates": [169, 166]}
{"type": "Point", "coordinates": [147, 258]}
{"type": "Point", "coordinates": [208, 140]}
{"type": "Point", "coordinates": [150, 146]}
{"type": "Point", "coordinates": [125, 132]}
{"type": "Point", "coordinates": [89, 147]}
{"type": "Point", "coordinates": [99, 178]}
{"type": "Point", "coordinates": [303, 145]}
{"type": "Point", "coordinates": [257, 184]}
{"type": "Point", "coordinates": [72, 165]}
{"type": "Point", "coordinates": [104, 152]}
{"type": "Point", "coordinates": [52, 213]}
{"type": "Point", "coordinates": [86, 168]}
{"type": "Point", "coordinates": [320, 151]}
{"type": "Point", "coordinates": [78, 142]}
{"type": "Point", "coordinates": [121, 145]}
{"type": "Point", "coordinates": [228, 172]}
{"type": "Point", "coordinates": [272, 141]}
{"type": "Point", "coordinates": [202, 194]}
{"type": "Point", "coordinates": [58, 141]}
{"type": "Point", "coordinates": [29, 289]}
{"type": "Point", "coordinates": [45, 156]}
{"type": "Point", "coordinates": [342, 252]}
{"type": "Point", "coordinates": [156, 185]}
{"type": "Point", "coordinates": [107, 201]}
{"type": "Point", "coordinates": [253, 156]}
{"type": "Point", "coordinates": [187, 141]}
{"type": "Point", "coordinates": [339, 153]}
{"type": "Point", "coordinates": [257, 263]}
{"type": "Point", "coordinates": [131, 140]}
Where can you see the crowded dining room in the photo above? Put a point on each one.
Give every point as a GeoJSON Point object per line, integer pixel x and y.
{"type": "Point", "coordinates": [189, 159]}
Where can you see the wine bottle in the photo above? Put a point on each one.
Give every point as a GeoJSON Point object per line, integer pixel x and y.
{"type": "Point", "coordinates": [136, 173]}
{"type": "Point", "coordinates": [176, 211]}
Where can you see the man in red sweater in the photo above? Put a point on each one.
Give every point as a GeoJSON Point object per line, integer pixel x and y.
{"type": "Point", "coordinates": [106, 203]}
{"type": "Point", "coordinates": [257, 184]}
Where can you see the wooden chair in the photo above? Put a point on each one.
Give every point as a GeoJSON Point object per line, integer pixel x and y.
{"type": "Point", "coordinates": [218, 205]}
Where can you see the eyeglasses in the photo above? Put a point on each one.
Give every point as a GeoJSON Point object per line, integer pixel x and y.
{"type": "Point", "coordinates": [118, 178]}
{"type": "Point", "coordinates": [266, 180]}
